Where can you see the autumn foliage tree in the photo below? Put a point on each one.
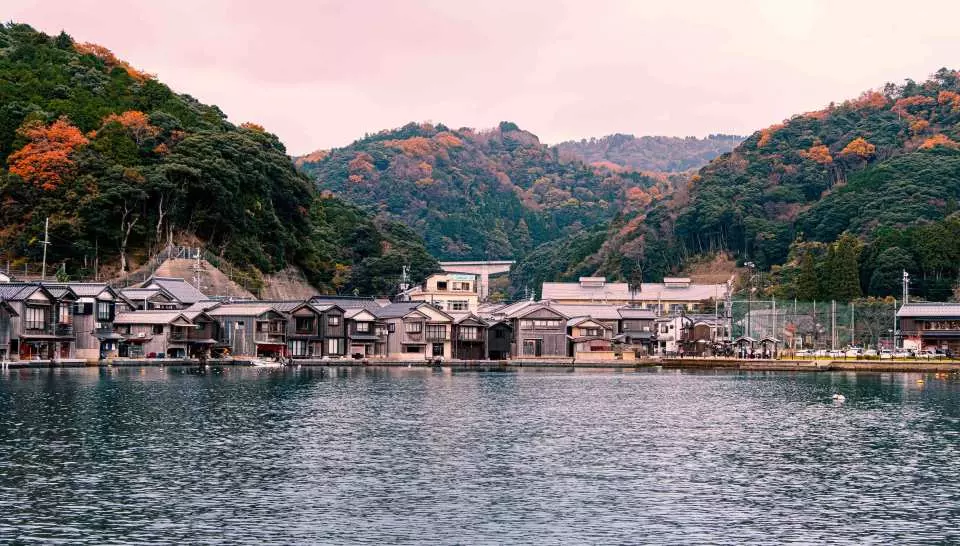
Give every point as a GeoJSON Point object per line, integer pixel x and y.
{"type": "Point", "coordinates": [858, 148]}
{"type": "Point", "coordinates": [137, 123]}
{"type": "Point", "coordinates": [46, 158]}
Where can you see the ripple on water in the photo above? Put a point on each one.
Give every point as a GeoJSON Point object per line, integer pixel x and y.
{"type": "Point", "coordinates": [381, 455]}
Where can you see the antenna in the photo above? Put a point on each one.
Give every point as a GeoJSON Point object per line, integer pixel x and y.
{"type": "Point", "coordinates": [906, 287]}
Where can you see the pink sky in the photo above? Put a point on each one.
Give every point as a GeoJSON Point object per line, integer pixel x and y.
{"type": "Point", "coordinates": [322, 73]}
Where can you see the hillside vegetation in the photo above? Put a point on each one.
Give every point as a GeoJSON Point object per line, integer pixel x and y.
{"type": "Point", "coordinates": [649, 153]}
{"type": "Point", "coordinates": [834, 203]}
{"type": "Point", "coordinates": [494, 194]}
{"type": "Point", "coordinates": [120, 164]}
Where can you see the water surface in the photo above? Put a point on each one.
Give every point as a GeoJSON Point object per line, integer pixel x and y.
{"type": "Point", "coordinates": [397, 456]}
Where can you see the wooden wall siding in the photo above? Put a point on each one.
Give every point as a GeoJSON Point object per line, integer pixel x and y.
{"type": "Point", "coordinates": [84, 327]}
{"type": "Point", "coordinates": [543, 313]}
{"type": "Point", "coordinates": [333, 331]}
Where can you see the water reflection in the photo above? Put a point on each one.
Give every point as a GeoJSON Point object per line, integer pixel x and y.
{"type": "Point", "coordinates": [412, 455]}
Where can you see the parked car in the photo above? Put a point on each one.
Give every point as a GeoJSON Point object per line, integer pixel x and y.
{"type": "Point", "coordinates": [886, 354]}
{"type": "Point", "coordinates": [820, 353]}
{"type": "Point", "coordinates": [870, 353]}
{"type": "Point", "coordinates": [903, 353]}
{"type": "Point", "coordinates": [853, 352]}
{"type": "Point", "coordinates": [836, 353]}
{"type": "Point", "coordinates": [928, 355]}
{"type": "Point", "coordinates": [804, 352]}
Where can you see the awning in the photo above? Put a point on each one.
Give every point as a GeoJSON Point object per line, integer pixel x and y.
{"type": "Point", "coordinates": [113, 336]}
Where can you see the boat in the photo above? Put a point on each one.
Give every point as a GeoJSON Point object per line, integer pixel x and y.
{"type": "Point", "coordinates": [259, 363]}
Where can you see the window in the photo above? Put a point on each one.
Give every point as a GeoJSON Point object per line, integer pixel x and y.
{"type": "Point", "coordinates": [33, 318]}
{"type": "Point", "coordinates": [63, 314]}
{"type": "Point", "coordinates": [391, 328]}
{"type": "Point", "coordinates": [363, 327]}
{"type": "Point", "coordinates": [458, 305]}
{"type": "Point", "coordinates": [335, 346]}
{"type": "Point", "coordinates": [461, 287]}
{"type": "Point", "coordinates": [82, 308]}
{"type": "Point", "coordinates": [104, 310]}
{"type": "Point", "coordinates": [304, 325]}
{"type": "Point", "coordinates": [436, 331]}
{"type": "Point", "coordinates": [298, 347]}
{"type": "Point", "coordinates": [441, 285]}
{"type": "Point", "coordinates": [413, 348]}
{"type": "Point", "coordinates": [333, 320]}
{"type": "Point", "coordinates": [541, 323]}
{"type": "Point", "coordinates": [157, 329]}
{"type": "Point", "coordinates": [413, 327]}
{"type": "Point", "coordinates": [469, 333]}
{"type": "Point", "coordinates": [664, 329]}
{"type": "Point", "coordinates": [592, 332]}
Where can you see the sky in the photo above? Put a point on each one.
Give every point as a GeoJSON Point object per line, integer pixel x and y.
{"type": "Point", "coordinates": [322, 73]}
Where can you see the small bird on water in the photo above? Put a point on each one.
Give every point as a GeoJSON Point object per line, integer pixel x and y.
{"type": "Point", "coordinates": [839, 398]}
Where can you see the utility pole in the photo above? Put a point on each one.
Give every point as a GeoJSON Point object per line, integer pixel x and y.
{"type": "Point", "coordinates": [853, 328]}
{"type": "Point", "coordinates": [893, 335]}
{"type": "Point", "coordinates": [833, 325]}
{"type": "Point", "coordinates": [906, 287]}
{"type": "Point", "coordinates": [46, 242]}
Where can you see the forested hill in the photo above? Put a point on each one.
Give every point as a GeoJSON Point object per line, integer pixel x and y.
{"type": "Point", "coordinates": [120, 164]}
{"type": "Point", "coordinates": [649, 153]}
{"type": "Point", "coordinates": [842, 198]}
{"type": "Point", "coordinates": [491, 194]}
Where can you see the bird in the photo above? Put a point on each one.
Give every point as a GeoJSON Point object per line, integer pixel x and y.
{"type": "Point", "coordinates": [839, 398]}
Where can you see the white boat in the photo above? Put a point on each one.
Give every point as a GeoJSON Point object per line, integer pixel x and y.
{"type": "Point", "coordinates": [258, 363]}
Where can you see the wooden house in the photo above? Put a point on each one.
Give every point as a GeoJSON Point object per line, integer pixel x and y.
{"type": "Point", "coordinates": [250, 329]}
{"type": "Point", "coordinates": [469, 340]}
{"type": "Point", "coordinates": [41, 323]}
{"type": "Point", "coordinates": [417, 330]}
{"type": "Point", "coordinates": [540, 332]}
{"type": "Point", "coordinates": [93, 314]}
{"type": "Point", "coordinates": [366, 334]}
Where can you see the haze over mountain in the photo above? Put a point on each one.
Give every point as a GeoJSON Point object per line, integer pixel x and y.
{"type": "Point", "coordinates": [649, 153]}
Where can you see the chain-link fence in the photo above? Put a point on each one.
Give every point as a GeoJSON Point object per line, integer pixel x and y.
{"type": "Point", "coordinates": [816, 324]}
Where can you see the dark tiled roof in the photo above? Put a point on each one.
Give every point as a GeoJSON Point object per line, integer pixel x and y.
{"type": "Point", "coordinates": [82, 289]}
{"type": "Point", "coordinates": [17, 291]}
{"type": "Point", "coordinates": [179, 288]}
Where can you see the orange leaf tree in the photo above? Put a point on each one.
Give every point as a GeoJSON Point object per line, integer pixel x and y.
{"type": "Point", "coordinates": [137, 123]}
{"type": "Point", "coordinates": [859, 148]}
{"type": "Point", "coordinates": [45, 160]}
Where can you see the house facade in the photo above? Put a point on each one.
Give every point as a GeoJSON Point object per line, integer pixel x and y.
{"type": "Point", "coordinates": [592, 339]}
{"type": "Point", "coordinates": [417, 331]}
{"type": "Point", "coordinates": [637, 329]}
{"type": "Point", "coordinates": [539, 332]}
{"type": "Point", "coordinates": [499, 339]}
{"type": "Point", "coordinates": [94, 311]}
{"type": "Point", "coordinates": [40, 323]}
{"type": "Point", "coordinates": [930, 326]}
{"type": "Point", "coordinates": [673, 295]}
{"type": "Point", "coordinates": [469, 339]}
{"type": "Point", "coordinates": [250, 329]}
{"type": "Point", "coordinates": [366, 334]}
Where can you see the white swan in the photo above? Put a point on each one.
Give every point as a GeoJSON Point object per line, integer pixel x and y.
{"type": "Point", "coordinates": [839, 398]}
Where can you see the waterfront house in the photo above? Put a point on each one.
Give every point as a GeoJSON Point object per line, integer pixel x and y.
{"type": "Point", "coordinates": [7, 313]}
{"type": "Point", "coordinates": [499, 339]}
{"type": "Point", "coordinates": [163, 334]}
{"type": "Point", "coordinates": [416, 330]}
{"type": "Point", "coordinates": [540, 331]}
{"type": "Point", "coordinates": [469, 339]}
{"type": "Point", "coordinates": [304, 332]}
{"type": "Point", "coordinates": [671, 296]}
{"type": "Point", "coordinates": [93, 313]}
{"type": "Point", "coordinates": [41, 323]}
{"type": "Point", "coordinates": [637, 329]}
{"type": "Point", "coordinates": [591, 339]}
{"type": "Point", "coordinates": [930, 326]}
{"type": "Point", "coordinates": [451, 292]}
{"type": "Point", "coordinates": [250, 329]}
{"type": "Point", "coordinates": [366, 335]}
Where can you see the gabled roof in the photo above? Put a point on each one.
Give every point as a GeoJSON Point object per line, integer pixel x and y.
{"type": "Point", "coordinates": [85, 289]}
{"type": "Point", "coordinates": [140, 294]}
{"type": "Point", "coordinates": [60, 292]}
{"type": "Point", "coordinates": [930, 310]}
{"type": "Point", "coordinates": [576, 321]}
{"type": "Point", "coordinates": [596, 311]}
{"type": "Point", "coordinates": [400, 310]}
{"type": "Point", "coordinates": [327, 307]}
{"type": "Point", "coordinates": [10, 310]}
{"type": "Point", "coordinates": [636, 313]}
{"type": "Point", "coordinates": [530, 309]}
{"type": "Point", "coordinates": [150, 317]}
{"type": "Point", "coordinates": [242, 309]}
{"type": "Point", "coordinates": [352, 314]}
{"type": "Point", "coordinates": [346, 302]}
{"type": "Point", "coordinates": [179, 288]}
{"type": "Point", "coordinates": [19, 291]}
{"type": "Point", "coordinates": [204, 305]}
{"type": "Point", "coordinates": [460, 318]}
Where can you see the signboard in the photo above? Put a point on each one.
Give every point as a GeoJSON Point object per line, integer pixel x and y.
{"type": "Point", "coordinates": [462, 277]}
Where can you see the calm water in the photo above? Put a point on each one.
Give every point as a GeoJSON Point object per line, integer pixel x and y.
{"type": "Point", "coordinates": [384, 456]}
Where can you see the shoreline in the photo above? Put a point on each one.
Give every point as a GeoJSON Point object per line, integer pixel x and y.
{"type": "Point", "coordinates": [567, 364]}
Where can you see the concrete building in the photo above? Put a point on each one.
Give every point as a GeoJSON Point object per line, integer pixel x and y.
{"type": "Point", "coordinates": [483, 271]}
{"type": "Point", "coordinates": [451, 292]}
{"type": "Point", "coordinates": [670, 296]}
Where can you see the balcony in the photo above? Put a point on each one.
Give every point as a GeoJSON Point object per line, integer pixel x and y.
{"type": "Point", "coordinates": [37, 327]}
{"type": "Point", "coordinates": [269, 337]}
{"type": "Point", "coordinates": [64, 330]}
{"type": "Point", "coordinates": [437, 335]}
